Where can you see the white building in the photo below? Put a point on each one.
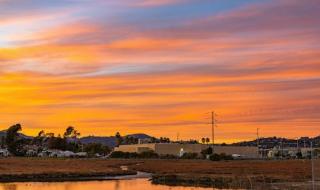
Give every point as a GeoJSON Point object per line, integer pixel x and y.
{"type": "Point", "coordinates": [4, 153]}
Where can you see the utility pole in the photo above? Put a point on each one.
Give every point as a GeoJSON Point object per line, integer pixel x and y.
{"type": "Point", "coordinates": [312, 167]}
{"type": "Point", "coordinates": [258, 145]}
{"type": "Point", "coordinates": [281, 148]}
{"type": "Point", "coordinates": [213, 124]}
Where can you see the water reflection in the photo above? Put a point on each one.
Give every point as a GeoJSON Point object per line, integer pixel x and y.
{"type": "Point", "coordinates": [136, 184]}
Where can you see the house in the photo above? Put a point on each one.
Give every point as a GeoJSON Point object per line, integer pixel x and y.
{"type": "Point", "coordinates": [178, 149]}
{"type": "Point", "coordinates": [57, 153]}
{"type": "Point", "coordinates": [31, 153]}
{"type": "Point", "coordinates": [31, 150]}
{"type": "Point", "coordinates": [44, 153]}
{"type": "Point", "coordinates": [66, 154]}
{"type": "Point", "coordinates": [4, 153]}
{"type": "Point", "coordinates": [81, 154]}
{"type": "Point", "coordinates": [291, 152]}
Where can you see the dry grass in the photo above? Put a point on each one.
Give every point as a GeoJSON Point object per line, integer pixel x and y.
{"type": "Point", "coordinates": [12, 166]}
{"type": "Point", "coordinates": [286, 170]}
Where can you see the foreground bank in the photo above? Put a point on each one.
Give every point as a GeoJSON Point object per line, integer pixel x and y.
{"type": "Point", "coordinates": [247, 174]}
{"type": "Point", "coordinates": [56, 170]}
{"type": "Point", "coordinates": [223, 174]}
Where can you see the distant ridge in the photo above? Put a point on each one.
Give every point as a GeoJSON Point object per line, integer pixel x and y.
{"type": "Point", "coordinates": [270, 142]}
{"type": "Point", "coordinates": [105, 140]}
{"type": "Point", "coordinates": [140, 136]}
{"type": "Point", "coordinates": [4, 134]}
{"type": "Point", "coordinates": [111, 140]}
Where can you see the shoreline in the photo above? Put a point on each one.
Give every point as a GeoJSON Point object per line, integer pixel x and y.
{"type": "Point", "coordinates": [219, 182]}
{"type": "Point", "coordinates": [62, 177]}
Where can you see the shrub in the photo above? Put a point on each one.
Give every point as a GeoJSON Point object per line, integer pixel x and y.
{"type": "Point", "coordinates": [96, 148]}
{"type": "Point", "coordinates": [206, 152]}
{"type": "Point", "coordinates": [119, 154]}
{"type": "Point", "coordinates": [189, 156]}
{"type": "Point", "coordinates": [226, 157]}
{"type": "Point", "coordinates": [222, 156]}
{"type": "Point", "coordinates": [215, 157]}
{"type": "Point", "coordinates": [148, 154]}
{"type": "Point", "coordinates": [168, 156]}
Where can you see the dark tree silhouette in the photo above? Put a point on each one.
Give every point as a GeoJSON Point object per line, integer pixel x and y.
{"type": "Point", "coordinates": [71, 133]}
{"type": "Point", "coordinates": [119, 139]}
{"type": "Point", "coordinates": [12, 139]}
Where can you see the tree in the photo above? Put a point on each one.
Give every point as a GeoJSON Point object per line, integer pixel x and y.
{"type": "Point", "coordinates": [38, 140]}
{"type": "Point", "coordinates": [71, 133]}
{"type": "Point", "coordinates": [164, 140]}
{"type": "Point", "coordinates": [50, 135]}
{"type": "Point", "coordinates": [57, 143]}
{"type": "Point", "coordinates": [13, 142]}
{"type": "Point", "coordinates": [119, 139]}
{"type": "Point", "coordinates": [207, 140]}
{"type": "Point", "coordinates": [206, 152]}
{"type": "Point", "coordinates": [203, 140]}
{"type": "Point", "coordinates": [96, 148]}
{"type": "Point", "coordinates": [3, 142]}
{"type": "Point", "coordinates": [299, 155]}
{"type": "Point", "coordinates": [41, 133]}
{"type": "Point", "coordinates": [130, 140]}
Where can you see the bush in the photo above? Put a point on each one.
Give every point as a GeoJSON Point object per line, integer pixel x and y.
{"type": "Point", "coordinates": [222, 156]}
{"type": "Point", "coordinates": [189, 156]}
{"type": "Point", "coordinates": [206, 152]}
{"type": "Point", "coordinates": [226, 157]}
{"type": "Point", "coordinates": [215, 157]}
{"type": "Point", "coordinates": [96, 148]}
{"type": "Point", "coordinates": [119, 154]}
{"type": "Point", "coordinates": [148, 154]}
{"type": "Point", "coordinates": [168, 156]}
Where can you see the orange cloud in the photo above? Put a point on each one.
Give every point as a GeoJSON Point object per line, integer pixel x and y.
{"type": "Point", "coordinates": [157, 104]}
{"type": "Point", "coordinates": [107, 76]}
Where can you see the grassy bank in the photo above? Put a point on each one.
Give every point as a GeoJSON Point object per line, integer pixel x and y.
{"type": "Point", "coordinates": [227, 174]}
{"type": "Point", "coordinates": [223, 174]}
{"type": "Point", "coordinates": [37, 169]}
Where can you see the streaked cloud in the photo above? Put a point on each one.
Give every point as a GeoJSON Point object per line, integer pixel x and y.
{"type": "Point", "coordinates": [159, 66]}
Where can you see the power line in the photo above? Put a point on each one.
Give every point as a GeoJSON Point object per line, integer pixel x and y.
{"type": "Point", "coordinates": [258, 138]}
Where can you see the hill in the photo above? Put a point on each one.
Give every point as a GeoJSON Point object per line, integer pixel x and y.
{"type": "Point", "coordinates": [4, 134]}
{"type": "Point", "coordinates": [270, 142]}
{"type": "Point", "coordinates": [111, 140]}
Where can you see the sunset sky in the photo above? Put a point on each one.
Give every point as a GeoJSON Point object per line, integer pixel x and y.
{"type": "Point", "coordinates": [159, 66]}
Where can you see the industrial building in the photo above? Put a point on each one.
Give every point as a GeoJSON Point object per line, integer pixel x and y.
{"type": "Point", "coordinates": [179, 149]}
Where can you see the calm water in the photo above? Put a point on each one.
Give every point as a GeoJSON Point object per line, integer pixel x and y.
{"type": "Point", "coordinates": [135, 184]}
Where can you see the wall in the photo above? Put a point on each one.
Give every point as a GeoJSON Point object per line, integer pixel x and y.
{"type": "Point", "coordinates": [246, 151]}
{"type": "Point", "coordinates": [135, 147]}
{"type": "Point", "coordinates": [174, 149]}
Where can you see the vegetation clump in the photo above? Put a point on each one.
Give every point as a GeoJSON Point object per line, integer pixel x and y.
{"type": "Point", "coordinates": [126, 155]}
{"type": "Point", "coordinates": [222, 156]}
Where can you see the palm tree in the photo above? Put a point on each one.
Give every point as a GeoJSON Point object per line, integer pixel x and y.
{"type": "Point", "coordinates": [203, 140]}
{"type": "Point", "coordinates": [119, 139]}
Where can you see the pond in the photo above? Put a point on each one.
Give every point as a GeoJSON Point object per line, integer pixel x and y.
{"type": "Point", "coordinates": [125, 184]}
